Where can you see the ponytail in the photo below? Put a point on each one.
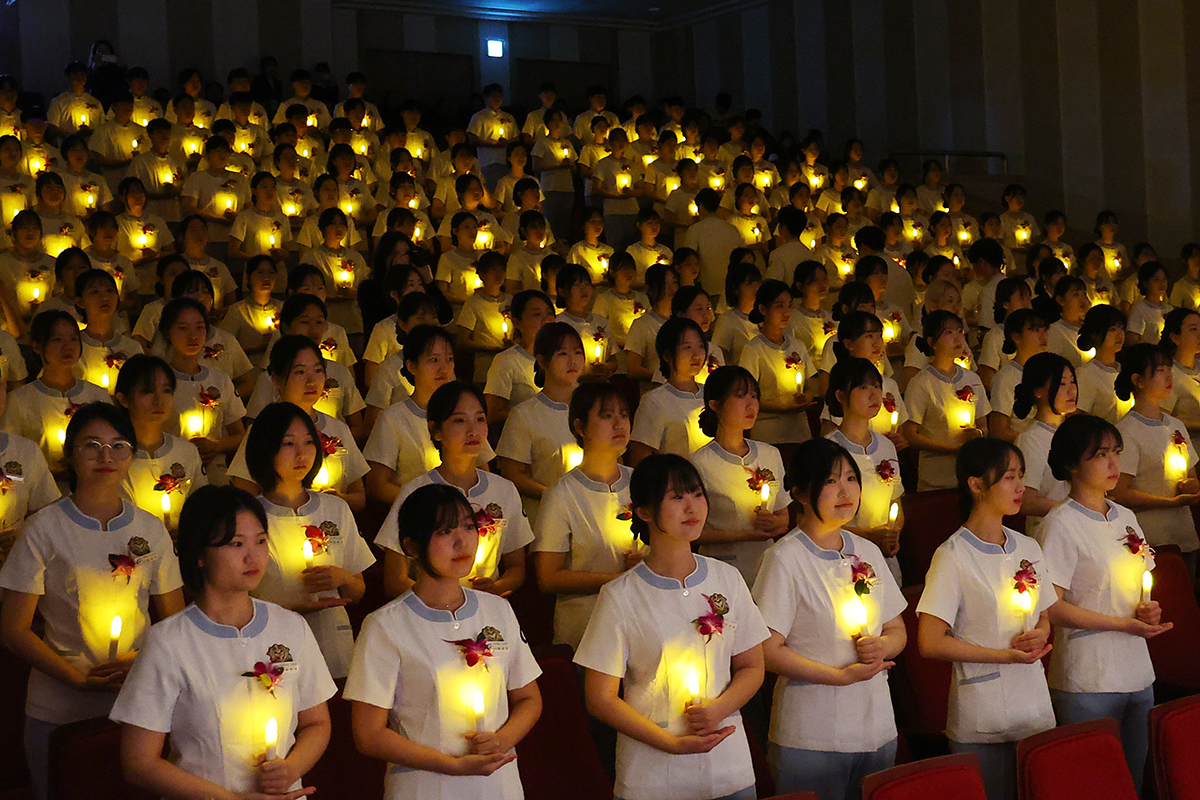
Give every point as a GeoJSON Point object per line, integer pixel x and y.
{"type": "Point", "coordinates": [1139, 360]}
{"type": "Point", "coordinates": [1043, 370]}
{"type": "Point", "coordinates": [1102, 318]}
{"type": "Point", "coordinates": [723, 383]}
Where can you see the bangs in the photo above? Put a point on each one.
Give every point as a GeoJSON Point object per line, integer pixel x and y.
{"type": "Point", "coordinates": [450, 515]}
{"type": "Point", "coordinates": [612, 402]}
{"type": "Point", "coordinates": [743, 385]}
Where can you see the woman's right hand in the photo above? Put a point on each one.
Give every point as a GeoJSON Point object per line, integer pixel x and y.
{"type": "Point", "coordinates": [482, 765]}
{"type": "Point", "coordinates": [107, 677]}
{"type": "Point", "coordinates": [292, 795]}
{"type": "Point", "coordinates": [693, 743]}
{"type": "Point", "coordinates": [858, 671]}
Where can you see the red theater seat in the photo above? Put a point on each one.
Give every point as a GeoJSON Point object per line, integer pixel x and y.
{"type": "Point", "coordinates": [1083, 761]}
{"type": "Point", "coordinates": [954, 777]}
{"type": "Point", "coordinates": [1176, 653]}
{"type": "Point", "coordinates": [929, 519]}
{"type": "Point", "coordinates": [558, 759]}
{"type": "Point", "coordinates": [85, 763]}
{"type": "Point", "coordinates": [920, 690]}
{"type": "Point", "coordinates": [1174, 742]}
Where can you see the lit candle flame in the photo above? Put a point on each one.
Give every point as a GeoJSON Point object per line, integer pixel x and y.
{"type": "Point", "coordinates": [1147, 585]}
{"type": "Point", "coordinates": [966, 417]}
{"type": "Point", "coordinates": [861, 184]}
{"type": "Point", "coordinates": [322, 479]}
{"type": "Point", "coordinates": [114, 637]}
{"type": "Point", "coordinates": [166, 503]}
{"type": "Point", "coordinates": [1177, 462]}
{"type": "Point", "coordinates": [574, 456]}
{"type": "Point", "coordinates": [271, 735]}
{"type": "Point", "coordinates": [37, 293]}
{"type": "Point", "coordinates": [693, 685]}
{"type": "Point", "coordinates": [104, 380]}
{"type": "Point", "coordinates": [895, 418]}
{"type": "Point", "coordinates": [62, 436]}
{"type": "Point", "coordinates": [599, 351]}
{"type": "Point", "coordinates": [854, 612]}
{"type": "Point", "coordinates": [308, 554]}
{"type": "Point", "coordinates": [141, 240]}
{"type": "Point", "coordinates": [290, 209]}
{"type": "Point", "coordinates": [1023, 600]}
{"type": "Point", "coordinates": [228, 203]}
{"type": "Point", "coordinates": [195, 424]}
{"type": "Point", "coordinates": [765, 493]}
{"type": "Point", "coordinates": [964, 235]}
{"type": "Point", "coordinates": [894, 512]}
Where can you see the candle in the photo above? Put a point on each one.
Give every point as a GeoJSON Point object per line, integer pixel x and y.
{"type": "Point", "coordinates": [476, 282]}
{"type": "Point", "coordinates": [799, 379]}
{"type": "Point", "coordinates": [414, 204]}
{"type": "Point", "coordinates": [83, 118]}
{"type": "Point", "coordinates": [477, 707]}
{"type": "Point", "coordinates": [1024, 603]}
{"type": "Point", "coordinates": [1022, 235]}
{"type": "Point", "coordinates": [671, 184]}
{"type": "Point", "coordinates": [114, 637]}
{"type": "Point", "coordinates": [964, 235]}
{"type": "Point", "coordinates": [648, 159]}
{"type": "Point", "coordinates": [36, 165]}
{"type": "Point", "coordinates": [573, 455]}
{"type": "Point", "coordinates": [1147, 585]}
{"type": "Point", "coordinates": [500, 132]}
{"type": "Point", "coordinates": [716, 182]}
{"type": "Point", "coordinates": [135, 144]}
{"type": "Point", "coordinates": [195, 423]}
{"type": "Point", "coordinates": [321, 481]}
{"type": "Point", "coordinates": [344, 275]}
{"type": "Point", "coordinates": [895, 207]}
{"type": "Point", "coordinates": [861, 184]}
{"type": "Point", "coordinates": [764, 493]}
{"type": "Point", "coordinates": [271, 734]}
{"type": "Point", "coordinates": [693, 209]}
{"type": "Point", "coordinates": [504, 327]}
{"type": "Point", "coordinates": [416, 152]}
{"type": "Point", "coordinates": [966, 416]}
{"type": "Point", "coordinates": [763, 180]}
{"type": "Point", "coordinates": [141, 240]}
{"type": "Point", "coordinates": [311, 121]}
{"type": "Point", "coordinates": [271, 239]}
{"type": "Point", "coordinates": [889, 332]}
{"type": "Point", "coordinates": [228, 203]}
{"type": "Point", "coordinates": [895, 418]}
{"type": "Point", "coordinates": [104, 379]}
{"type": "Point", "coordinates": [815, 182]}
{"type": "Point", "coordinates": [598, 352]}
{"type": "Point", "coordinates": [623, 180]}
{"type": "Point", "coordinates": [90, 200]}
{"type": "Point", "coordinates": [308, 554]}
{"type": "Point", "coordinates": [693, 686]}
{"type": "Point", "coordinates": [62, 436]}
{"type": "Point", "coordinates": [483, 240]}
{"type": "Point", "coordinates": [166, 503]}
{"type": "Point", "coordinates": [854, 612]}
{"type": "Point", "coordinates": [1176, 463]}
{"type": "Point", "coordinates": [894, 512]}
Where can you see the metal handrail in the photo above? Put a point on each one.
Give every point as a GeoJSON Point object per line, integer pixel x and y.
{"type": "Point", "coordinates": [946, 155]}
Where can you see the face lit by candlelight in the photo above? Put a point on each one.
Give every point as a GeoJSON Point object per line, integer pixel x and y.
{"type": "Point", "coordinates": [188, 333]}
{"type": "Point", "coordinates": [239, 565]}
{"type": "Point", "coordinates": [154, 406]}
{"type": "Point", "coordinates": [607, 425]}
{"type": "Point", "coordinates": [452, 550]}
{"type": "Point", "coordinates": [62, 348]}
{"type": "Point", "coordinates": [864, 401]}
{"type": "Point", "coordinates": [1102, 469]}
{"type": "Point", "coordinates": [435, 367]}
{"type": "Point", "coordinates": [310, 322]}
{"type": "Point", "coordinates": [681, 513]}
{"type": "Point", "coordinates": [839, 498]}
{"type": "Point", "coordinates": [1004, 496]}
{"type": "Point", "coordinates": [465, 430]}
{"type": "Point", "coordinates": [105, 469]}
{"type": "Point", "coordinates": [296, 454]}
{"type": "Point", "coordinates": [567, 363]}
{"type": "Point", "coordinates": [305, 380]}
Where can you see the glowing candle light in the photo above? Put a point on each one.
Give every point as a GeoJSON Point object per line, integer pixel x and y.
{"type": "Point", "coordinates": [477, 707]}
{"type": "Point", "coordinates": [308, 554]}
{"type": "Point", "coordinates": [894, 511]}
{"type": "Point", "coordinates": [37, 293]}
{"type": "Point", "coordinates": [1024, 603]}
{"type": "Point", "coordinates": [962, 362]}
{"type": "Point", "coordinates": [500, 132]}
{"type": "Point", "coordinates": [1176, 463]}
{"type": "Point", "coordinates": [145, 122]}
{"type": "Point", "coordinates": [692, 682]}
{"type": "Point", "coordinates": [114, 637]}
{"type": "Point", "coordinates": [414, 204]}
{"type": "Point", "coordinates": [895, 207]}
{"type": "Point", "coordinates": [36, 165]}
{"type": "Point", "coordinates": [271, 734]}
{"type": "Point", "coordinates": [1023, 235]}
{"type": "Point", "coordinates": [90, 200]}
{"type": "Point", "coordinates": [362, 148]}
{"type": "Point", "coordinates": [716, 182]}
{"type": "Point", "coordinates": [504, 327]}
{"type": "Point", "coordinates": [889, 332]}
{"type": "Point", "coordinates": [671, 184]}
{"type": "Point", "coordinates": [964, 235]}
{"type": "Point", "coordinates": [1147, 585]}
{"type": "Point", "coordinates": [799, 380]}
{"type": "Point", "coordinates": [623, 180]}
{"type": "Point", "coordinates": [311, 121]}
{"type": "Point", "coordinates": [416, 152]}
{"type": "Point", "coordinates": [476, 282]}
{"type": "Point", "coordinates": [854, 612]}
{"type": "Point", "coordinates": [104, 379]}
{"type": "Point", "coordinates": [763, 180]}
{"type": "Point", "coordinates": [573, 456]}
{"type": "Point", "coordinates": [895, 418]}
{"type": "Point", "coordinates": [814, 182]}
{"type": "Point", "coordinates": [598, 352]}
{"type": "Point", "coordinates": [195, 423]}
{"type": "Point", "coordinates": [764, 493]}
{"type": "Point", "coordinates": [966, 417]}
{"type": "Point", "coordinates": [344, 275]}
{"type": "Point", "coordinates": [693, 209]}
{"type": "Point", "coordinates": [321, 481]}
{"type": "Point", "coordinates": [62, 436]}
{"type": "Point", "coordinates": [83, 119]}
{"type": "Point", "coordinates": [304, 152]}
{"type": "Point", "coordinates": [861, 184]}
{"type": "Point", "coordinates": [228, 203]}
{"type": "Point", "coordinates": [271, 239]}
{"type": "Point", "coordinates": [141, 240]}
{"type": "Point", "coordinates": [648, 159]}
{"type": "Point", "coordinates": [135, 143]}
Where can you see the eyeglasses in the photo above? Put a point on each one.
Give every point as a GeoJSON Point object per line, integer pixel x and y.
{"type": "Point", "coordinates": [121, 450]}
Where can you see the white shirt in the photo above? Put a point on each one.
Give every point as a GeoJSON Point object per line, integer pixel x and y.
{"type": "Point", "coordinates": [1087, 554]}
{"type": "Point", "coordinates": [1034, 444]}
{"type": "Point", "coordinates": [991, 351]}
{"type": "Point", "coordinates": [389, 386]}
{"type": "Point", "coordinates": [1063, 339]}
{"type": "Point", "coordinates": [645, 256]}
{"type": "Point", "coordinates": [893, 403]}
{"type": "Point", "coordinates": [1004, 388]}
{"type": "Point", "coordinates": [38, 413]}
{"type": "Point", "coordinates": [1148, 446]}
{"type": "Point", "coordinates": [734, 486]}
{"type": "Point", "coordinates": [26, 484]}
{"type": "Point", "coordinates": [489, 124]}
{"type": "Point", "coordinates": [668, 420]}
{"type": "Point", "coordinates": [205, 404]}
{"type": "Point", "coordinates": [525, 267]}
{"type": "Point", "coordinates": [589, 521]}
{"type": "Point", "coordinates": [499, 515]}
{"type": "Point", "coordinates": [1184, 401]}
{"type": "Point", "coordinates": [732, 331]}
{"type": "Point", "coordinates": [85, 573]}
{"type": "Point", "coordinates": [641, 337]}
{"type": "Point", "coordinates": [511, 376]}
{"type": "Point", "coordinates": [784, 260]}
{"type": "Point", "coordinates": [1146, 320]}
{"type": "Point", "coordinates": [326, 522]}
{"type": "Point", "coordinates": [1097, 395]}
{"type": "Point", "coordinates": [554, 153]}
{"type": "Point", "coordinates": [776, 367]}
{"type": "Point", "coordinates": [937, 404]}
{"type": "Point", "coordinates": [970, 586]}
{"type": "Point", "coordinates": [100, 362]}
{"type": "Point", "coordinates": [879, 466]}
{"type": "Point", "coordinates": [594, 257]}
{"type": "Point", "coordinates": [340, 399]}
{"type": "Point", "coordinates": [400, 441]}
{"type": "Point", "coordinates": [536, 433]}
{"type": "Point", "coordinates": [610, 171]}
{"type": "Point", "coordinates": [172, 471]}
{"type": "Point", "coordinates": [803, 590]}
{"type": "Point", "coordinates": [713, 239]}
{"type": "Point", "coordinates": [382, 341]}
{"type": "Point", "coordinates": [194, 679]}
{"type": "Point", "coordinates": [596, 333]}
{"type": "Point", "coordinates": [260, 232]}
{"type": "Point", "coordinates": [654, 654]}
{"type": "Point", "coordinates": [412, 660]}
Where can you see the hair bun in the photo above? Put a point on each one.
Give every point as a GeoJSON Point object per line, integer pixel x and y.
{"type": "Point", "coordinates": [923, 346]}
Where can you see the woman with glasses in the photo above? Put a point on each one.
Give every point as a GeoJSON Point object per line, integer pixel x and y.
{"type": "Point", "coordinates": [95, 566]}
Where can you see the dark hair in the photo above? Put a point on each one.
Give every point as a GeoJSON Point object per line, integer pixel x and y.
{"type": "Point", "coordinates": [1138, 359]}
{"type": "Point", "coordinates": [522, 299]}
{"type": "Point", "coordinates": [173, 309]}
{"type": "Point", "coordinates": [847, 375]}
{"type": "Point", "coordinates": [1102, 318]}
{"type": "Point", "coordinates": [1068, 283]}
{"type": "Point", "coordinates": [1146, 272]}
{"type": "Point", "coordinates": [652, 479]}
{"type": "Point", "coordinates": [867, 266]}
{"type": "Point", "coordinates": [105, 412]}
{"type": "Point", "coordinates": [1105, 217]}
{"type": "Point", "coordinates": [1078, 439]}
{"type": "Point", "coordinates": [933, 325]}
{"type": "Point", "coordinates": [584, 399]}
{"type": "Point", "coordinates": [656, 281]}
{"type": "Point", "coordinates": [190, 280]}
{"type": "Point", "coordinates": [160, 269]}
{"type": "Point", "coordinates": [985, 458]}
{"type": "Point", "coordinates": [209, 519]}
{"type": "Point", "coordinates": [670, 335]}
{"type": "Point", "coordinates": [1085, 252]}
{"type": "Point", "coordinates": [737, 275]}
{"type": "Point", "coordinates": [812, 464]}
{"type": "Point", "coordinates": [284, 352]}
{"type": "Point", "coordinates": [265, 438]}
{"type": "Point", "coordinates": [137, 374]}
{"type": "Point", "coordinates": [768, 292]}
{"type": "Point", "coordinates": [546, 344]}
{"type": "Point", "coordinates": [418, 342]}
{"type": "Point", "coordinates": [851, 326]}
{"type": "Point", "coordinates": [871, 237]}
{"type": "Point", "coordinates": [850, 297]}
{"type": "Point", "coordinates": [723, 382]}
{"type": "Point", "coordinates": [297, 304]}
{"type": "Point", "coordinates": [429, 509]}
{"type": "Point", "coordinates": [42, 328]}
{"type": "Point", "coordinates": [444, 401]}
{"type": "Point", "coordinates": [683, 299]}
{"type": "Point", "coordinates": [1004, 292]}
{"type": "Point", "coordinates": [1041, 370]}
{"type": "Point", "coordinates": [987, 250]}
{"type": "Point", "coordinates": [568, 277]}
{"type": "Point", "coordinates": [90, 276]}
{"type": "Point", "coordinates": [1018, 322]}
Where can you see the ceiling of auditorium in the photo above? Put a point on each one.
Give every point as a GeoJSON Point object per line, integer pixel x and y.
{"type": "Point", "coordinates": [652, 11]}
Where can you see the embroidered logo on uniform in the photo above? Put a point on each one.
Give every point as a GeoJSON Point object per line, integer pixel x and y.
{"type": "Point", "coordinates": [759, 477]}
{"type": "Point", "coordinates": [209, 397]}
{"type": "Point", "coordinates": [488, 518]}
{"type": "Point", "coordinates": [319, 536]}
{"type": "Point", "coordinates": [139, 547]}
{"type": "Point", "coordinates": [172, 481]}
{"type": "Point", "coordinates": [268, 673]}
{"type": "Point", "coordinates": [966, 394]}
{"type": "Point", "coordinates": [491, 634]}
{"type": "Point", "coordinates": [12, 473]}
{"type": "Point", "coordinates": [862, 575]}
{"type": "Point", "coordinates": [1025, 578]}
{"type": "Point", "coordinates": [712, 623]}
{"type": "Point", "coordinates": [1136, 544]}
{"type": "Point", "coordinates": [474, 651]}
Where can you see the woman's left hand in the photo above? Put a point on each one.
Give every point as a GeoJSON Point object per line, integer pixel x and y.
{"type": "Point", "coordinates": [277, 776]}
{"type": "Point", "coordinates": [325, 578]}
{"type": "Point", "coordinates": [702, 718]}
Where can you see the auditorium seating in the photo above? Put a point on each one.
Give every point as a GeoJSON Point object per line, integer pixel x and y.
{"type": "Point", "coordinates": [955, 776]}
{"type": "Point", "coordinates": [1083, 761]}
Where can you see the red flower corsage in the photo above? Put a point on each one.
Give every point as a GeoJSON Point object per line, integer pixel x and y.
{"type": "Point", "coordinates": [474, 651]}
{"type": "Point", "coordinates": [896, 316]}
{"type": "Point", "coordinates": [712, 364]}
{"type": "Point", "coordinates": [862, 575]}
{"type": "Point", "coordinates": [112, 360]}
{"type": "Point", "coordinates": [1178, 440]}
{"type": "Point", "coordinates": [329, 444]}
{"type": "Point", "coordinates": [714, 621]}
{"type": "Point", "coordinates": [71, 408]}
{"type": "Point", "coordinates": [268, 673]}
{"type": "Point", "coordinates": [1136, 544]}
{"type": "Point", "coordinates": [1025, 578]}
{"type": "Point", "coordinates": [209, 397]}
{"type": "Point", "coordinates": [759, 477]}
{"type": "Point", "coordinates": [317, 537]}
{"type": "Point", "coordinates": [122, 565]}
{"type": "Point", "coordinates": [213, 351]}
{"type": "Point", "coordinates": [966, 394]}
{"type": "Point", "coordinates": [889, 403]}
{"type": "Point", "coordinates": [11, 473]}
{"type": "Point", "coordinates": [487, 519]}
{"type": "Point", "coordinates": [168, 483]}
{"type": "Point", "coordinates": [600, 335]}
{"type": "Point", "coordinates": [885, 471]}
{"type": "Point", "coordinates": [625, 513]}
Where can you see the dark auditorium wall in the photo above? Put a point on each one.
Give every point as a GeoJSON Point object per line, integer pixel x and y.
{"type": "Point", "coordinates": [1091, 100]}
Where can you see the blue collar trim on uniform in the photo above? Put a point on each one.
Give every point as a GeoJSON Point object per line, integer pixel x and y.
{"type": "Point", "coordinates": [1145, 421]}
{"type": "Point", "coordinates": [546, 401]}
{"type": "Point", "coordinates": [146, 455]}
{"type": "Point", "coordinates": [465, 611]}
{"type": "Point", "coordinates": [850, 446]}
{"type": "Point", "coordinates": [477, 490]}
{"type": "Point", "coordinates": [1087, 512]}
{"type": "Point", "coordinates": [1050, 428]}
{"type": "Point", "coordinates": [416, 410]}
{"type": "Point", "coordinates": [308, 508]}
{"type": "Point", "coordinates": [199, 377]}
{"type": "Point", "coordinates": [659, 582]}
{"type": "Point", "coordinates": [601, 486]}
{"type": "Point", "coordinates": [680, 393]}
{"type": "Point", "coordinates": [987, 547]}
{"type": "Point", "coordinates": [84, 521]}
{"type": "Point", "coordinates": [215, 629]}
{"type": "Point", "coordinates": [725, 455]}
{"type": "Point", "coordinates": [46, 390]}
{"type": "Point", "coordinates": [937, 373]}
{"type": "Point", "coordinates": [821, 552]}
